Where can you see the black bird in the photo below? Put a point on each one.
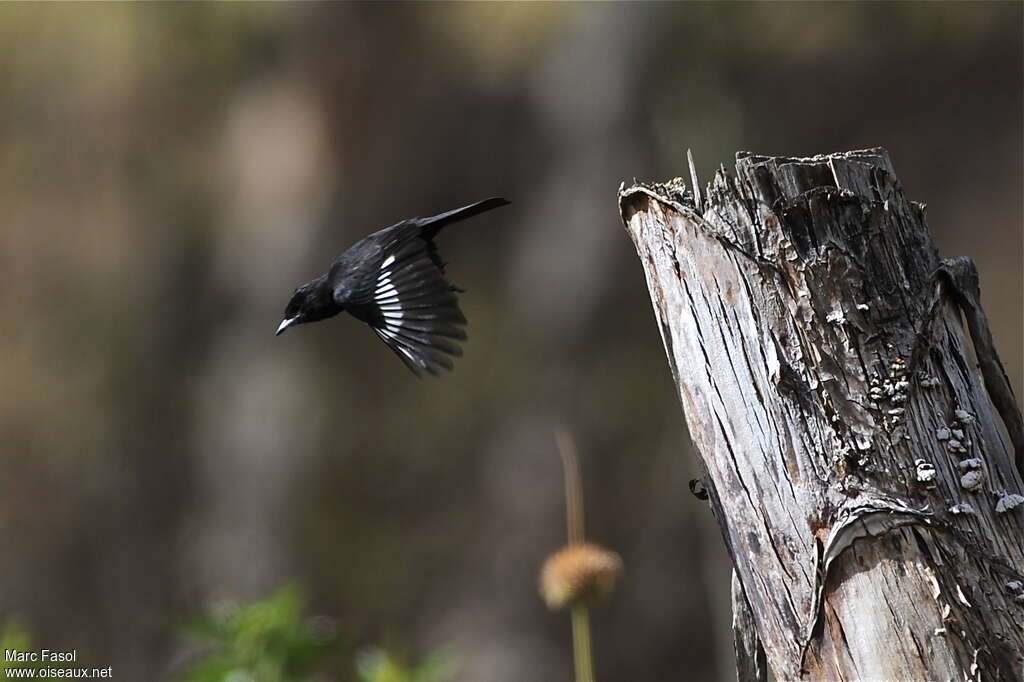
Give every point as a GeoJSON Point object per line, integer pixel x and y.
{"type": "Point", "coordinates": [394, 281]}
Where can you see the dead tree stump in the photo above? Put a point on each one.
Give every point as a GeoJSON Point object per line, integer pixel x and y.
{"type": "Point", "coordinates": [857, 429]}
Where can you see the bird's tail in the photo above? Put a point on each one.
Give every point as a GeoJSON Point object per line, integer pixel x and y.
{"type": "Point", "coordinates": [432, 225]}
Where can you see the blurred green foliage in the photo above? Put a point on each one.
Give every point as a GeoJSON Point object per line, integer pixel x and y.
{"type": "Point", "coordinates": [378, 665]}
{"type": "Point", "coordinates": [14, 638]}
{"type": "Point", "coordinates": [267, 640]}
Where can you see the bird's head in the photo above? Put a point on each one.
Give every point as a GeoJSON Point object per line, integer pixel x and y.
{"type": "Point", "coordinates": [310, 302]}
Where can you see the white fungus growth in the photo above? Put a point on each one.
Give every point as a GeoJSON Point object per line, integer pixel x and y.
{"type": "Point", "coordinates": [1014, 586]}
{"type": "Point", "coordinates": [925, 471]}
{"type": "Point", "coordinates": [942, 434]}
{"type": "Point", "coordinates": [1008, 502]}
{"type": "Point", "coordinates": [972, 480]}
{"type": "Point", "coordinates": [963, 416]}
{"type": "Point", "coordinates": [953, 445]}
{"type": "Point", "coordinates": [962, 508]}
{"type": "Point", "coordinates": [973, 463]}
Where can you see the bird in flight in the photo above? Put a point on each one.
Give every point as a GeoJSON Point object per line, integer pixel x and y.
{"type": "Point", "coordinates": [394, 281]}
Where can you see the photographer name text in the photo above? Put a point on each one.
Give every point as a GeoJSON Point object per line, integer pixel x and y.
{"type": "Point", "coordinates": [35, 659]}
{"type": "Point", "coordinates": [41, 656]}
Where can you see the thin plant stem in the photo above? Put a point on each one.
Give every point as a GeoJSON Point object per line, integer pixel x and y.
{"type": "Point", "coordinates": [573, 486]}
{"type": "Point", "coordinates": [582, 657]}
{"type": "Point", "coordinates": [581, 643]}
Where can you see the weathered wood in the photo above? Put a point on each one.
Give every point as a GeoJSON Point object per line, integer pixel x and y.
{"type": "Point", "coordinates": [858, 460]}
{"type": "Point", "coordinates": [751, 665]}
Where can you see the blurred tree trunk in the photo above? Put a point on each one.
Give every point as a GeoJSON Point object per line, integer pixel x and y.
{"type": "Point", "coordinates": [859, 437]}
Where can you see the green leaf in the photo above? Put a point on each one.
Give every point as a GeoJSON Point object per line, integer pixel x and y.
{"type": "Point", "coordinates": [266, 640]}
{"type": "Point", "coordinates": [378, 665]}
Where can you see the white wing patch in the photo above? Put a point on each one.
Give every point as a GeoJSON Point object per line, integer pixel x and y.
{"type": "Point", "coordinates": [384, 285]}
{"type": "Point", "coordinates": [387, 298]}
{"type": "Point", "coordinates": [416, 311]}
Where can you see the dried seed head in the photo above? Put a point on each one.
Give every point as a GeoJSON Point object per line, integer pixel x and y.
{"type": "Point", "coordinates": [580, 572]}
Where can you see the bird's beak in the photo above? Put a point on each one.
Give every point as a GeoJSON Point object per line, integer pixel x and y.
{"type": "Point", "coordinates": [285, 323]}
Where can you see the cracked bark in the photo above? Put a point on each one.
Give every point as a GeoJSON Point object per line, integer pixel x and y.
{"type": "Point", "coordinates": [841, 386]}
{"type": "Point", "coordinates": [750, 659]}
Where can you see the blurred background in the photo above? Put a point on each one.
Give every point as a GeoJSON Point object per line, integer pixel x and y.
{"type": "Point", "coordinates": [170, 172]}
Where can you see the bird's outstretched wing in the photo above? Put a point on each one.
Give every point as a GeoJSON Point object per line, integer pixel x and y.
{"type": "Point", "coordinates": [404, 295]}
{"type": "Point", "coordinates": [413, 308]}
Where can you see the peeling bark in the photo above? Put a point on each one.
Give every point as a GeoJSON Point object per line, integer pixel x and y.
{"type": "Point", "coordinates": [841, 385]}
